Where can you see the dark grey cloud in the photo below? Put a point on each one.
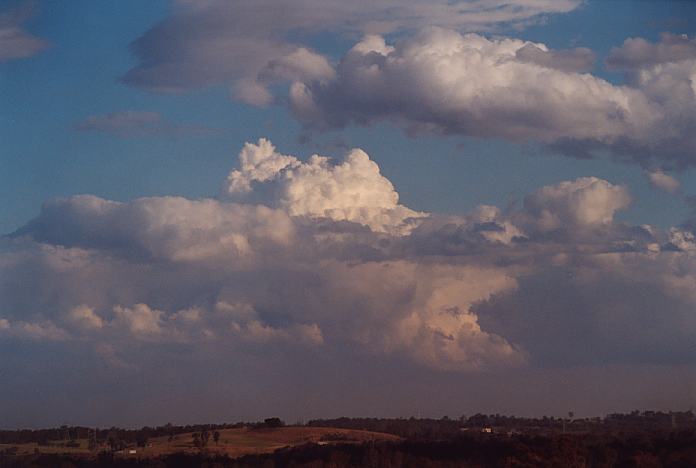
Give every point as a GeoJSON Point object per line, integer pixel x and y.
{"type": "Point", "coordinates": [594, 312]}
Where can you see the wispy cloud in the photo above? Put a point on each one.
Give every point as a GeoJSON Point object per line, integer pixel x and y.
{"type": "Point", "coordinates": [15, 41]}
{"type": "Point", "coordinates": [138, 124]}
{"type": "Point", "coordinates": [663, 181]}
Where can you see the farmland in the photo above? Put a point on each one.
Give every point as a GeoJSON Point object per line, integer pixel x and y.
{"type": "Point", "coordinates": [232, 442]}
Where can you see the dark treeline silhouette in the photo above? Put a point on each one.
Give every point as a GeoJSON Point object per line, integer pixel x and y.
{"type": "Point", "coordinates": [127, 436]}
{"type": "Point", "coordinates": [568, 451]}
{"type": "Point", "coordinates": [651, 449]}
{"type": "Point", "coordinates": [446, 428]}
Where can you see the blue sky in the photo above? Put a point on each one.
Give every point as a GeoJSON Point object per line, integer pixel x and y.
{"type": "Point", "coordinates": [167, 234]}
{"type": "Point", "coordinates": [78, 75]}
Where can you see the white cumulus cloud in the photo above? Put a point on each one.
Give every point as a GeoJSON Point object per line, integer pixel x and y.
{"type": "Point", "coordinates": [85, 317]}
{"type": "Point", "coordinates": [444, 82]}
{"type": "Point", "coordinates": [586, 201]}
{"type": "Point", "coordinates": [352, 190]}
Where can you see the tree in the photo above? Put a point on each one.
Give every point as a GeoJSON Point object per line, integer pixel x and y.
{"type": "Point", "coordinates": [92, 445]}
{"type": "Point", "coordinates": [141, 439]}
{"type": "Point", "coordinates": [273, 422]}
{"type": "Point", "coordinates": [115, 443]}
{"type": "Point", "coordinates": [92, 440]}
{"type": "Point", "coordinates": [216, 437]}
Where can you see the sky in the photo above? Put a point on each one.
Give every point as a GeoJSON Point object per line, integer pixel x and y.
{"type": "Point", "coordinates": [229, 210]}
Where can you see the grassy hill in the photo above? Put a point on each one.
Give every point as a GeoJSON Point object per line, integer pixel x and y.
{"type": "Point", "coordinates": [233, 442]}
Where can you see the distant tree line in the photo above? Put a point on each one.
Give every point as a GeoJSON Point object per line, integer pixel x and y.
{"type": "Point", "coordinates": [444, 428]}
{"type": "Point", "coordinates": [116, 437]}
{"type": "Point", "coordinates": [412, 428]}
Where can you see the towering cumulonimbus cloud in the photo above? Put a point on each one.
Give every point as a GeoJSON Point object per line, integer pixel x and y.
{"type": "Point", "coordinates": [444, 82]}
{"type": "Point", "coordinates": [316, 258]}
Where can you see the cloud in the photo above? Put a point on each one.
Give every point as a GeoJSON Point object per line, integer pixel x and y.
{"type": "Point", "coordinates": [139, 124]}
{"type": "Point", "coordinates": [15, 42]}
{"type": "Point", "coordinates": [140, 319]}
{"type": "Point", "coordinates": [293, 272]}
{"type": "Point", "coordinates": [443, 82]}
{"type": "Point", "coordinates": [637, 53]}
{"type": "Point", "coordinates": [246, 325]}
{"type": "Point", "coordinates": [353, 190]}
{"type": "Point", "coordinates": [243, 44]}
{"type": "Point", "coordinates": [435, 78]}
{"type": "Point", "coordinates": [302, 64]}
{"type": "Point", "coordinates": [84, 317]}
{"type": "Point", "coordinates": [586, 201]}
{"type": "Point", "coordinates": [287, 270]}
{"type": "Point", "coordinates": [169, 228]}
{"type": "Point", "coordinates": [663, 181]}
{"type": "Point", "coordinates": [682, 239]}
{"type": "Point", "coordinates": [258, 163]}
{"type": "Point", "coordinates": [451, 80]}
{"type": "Point", "coordinates": [38, 331]}
{"type": "Point", "coordinates": [574, 60]}
{"type": "Point", "coordinates": [616, 302]}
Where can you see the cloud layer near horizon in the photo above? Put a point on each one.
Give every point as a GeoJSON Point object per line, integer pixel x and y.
{"type": "Point", "coordinates": [318, 255]}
